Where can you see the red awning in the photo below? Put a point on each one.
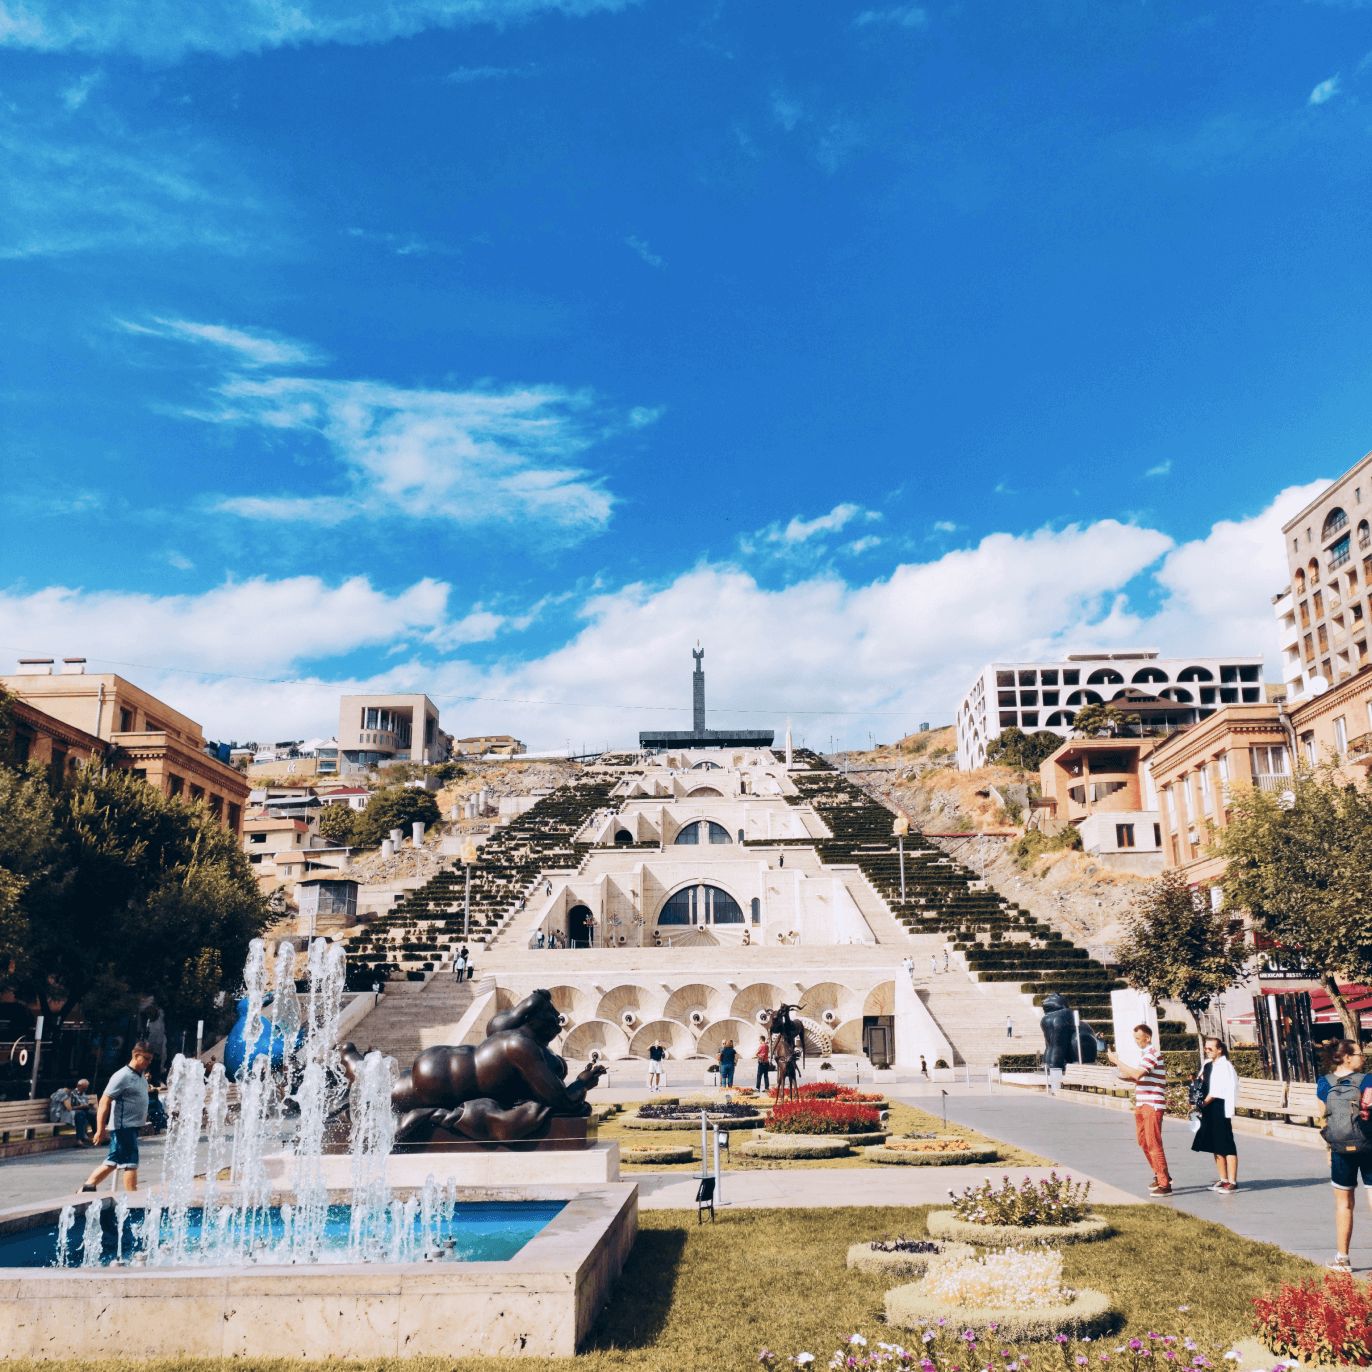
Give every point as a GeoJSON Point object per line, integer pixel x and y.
{"type": "Point", "coordinates": [1322, 1008]}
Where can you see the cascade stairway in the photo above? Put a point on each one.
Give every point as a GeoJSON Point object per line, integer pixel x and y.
{"type": "Point", "coordinates": [394, 1025]}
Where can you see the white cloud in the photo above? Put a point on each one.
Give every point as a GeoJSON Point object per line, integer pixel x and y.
{"type": "Point", "coordinates": [643, 250]}
{"type": "Point", "coordinates": [464, 76]}
{"type": "Point", "coordinates": [904, 16]}
{"type": "Point", "coordinates": [248, 349]}
{"type": "Point", "coordinates": [945, 526]}
{"type": "Point", "coordinates": [886, 654]}
{"type": "Point", "coordinates": [180, 561]}
{"type": "Point", "coordinates": [798, 530]}
{"type": "Point", "coordinates": [76, 95]}
{"type": "Point", "coordinates": [785, 111]}
{"type": "Point", "coordinates": [863, 545]}
{"type": "Point", "coordinates": [643, 415]}
{"type": "Point", "coordinates": [167, 29]}
{"type": "Point", "coordinates": [1161, 469]}
{"type": "Point", "coordinates": [1325, 91]}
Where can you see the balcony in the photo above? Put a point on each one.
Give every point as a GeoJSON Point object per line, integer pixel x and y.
{"type": "Point", "coordinates": [1338, 556]}
{"type": "Point", "coordinates": [1360, 748]}
{"type": "Point", "coordinates": [1335, 522]}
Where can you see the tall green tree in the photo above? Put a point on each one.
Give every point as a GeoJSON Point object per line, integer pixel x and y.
{"type": "Point", "coordinates": [1092, 720]}
{"type": "Point", "coordinates": [1176, 947]}
{"type": "Point", "coordinates": [395, 807]}
{"type": "Point", "coordinates": [125, 891]}
{"type": "Point", "coordinates": [1304, 874]}
{"type": "Point", "coordinates": [338, 824]}
{"type": "Point", "coordinates": [1012, 747]}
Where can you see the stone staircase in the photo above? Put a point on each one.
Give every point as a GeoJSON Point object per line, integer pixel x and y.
{"type": "Point", "coordinates": [406, 1008]}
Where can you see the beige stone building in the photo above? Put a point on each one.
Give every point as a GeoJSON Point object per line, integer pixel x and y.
{"type": "Point", "coordinates": [1323, 614]}
{"type": "Point", "coordinates": [144, 735]}
{"type": "Point", "coordinates": [505, 745]}
{"type": "Point", "coordinates": [375, 730]}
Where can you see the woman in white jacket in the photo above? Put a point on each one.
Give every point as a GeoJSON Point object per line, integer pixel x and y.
{"type": "Point", "coordinates": [1216, 1133]}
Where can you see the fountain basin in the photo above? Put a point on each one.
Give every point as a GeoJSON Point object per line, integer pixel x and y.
{"type": "Point", "coordinates": [541, 1302]}
{"type": "Point", "coordinates": [595, 1165]}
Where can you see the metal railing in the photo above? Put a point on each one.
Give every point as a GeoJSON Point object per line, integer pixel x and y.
{"type": "Point", "coordinates": [1334, 523]}
{"type": "Point", "coordinates": [1272, 781]}
{"type": "Point", "coordinates": [1339, 556]}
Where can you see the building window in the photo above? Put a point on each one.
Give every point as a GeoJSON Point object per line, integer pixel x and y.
{"type": "Point", "coordinates": [1157, 836]}
{"type": "Point", "coordinates": [1031, 719]}
{"type": "Point", "coordinates": [175, 785]}
{"type": "Point", "coordinates": [197, 793]}
{"type": "Point", "coordinates": [1309, 648]}
{"type": "Point", "coordinates": [257, 838]}
{"type": "Point", "coordinates": [1341, 735]}
{"type": "Point", "coordinates": [1224, 768]}
{"type": "Point", "coordinates": [1323, 635]}
{"type": "Point", "coordinates": [1051, 697]}
{"type": "Point", "coordinates": [125, 721]}
{"type": "Point", "coordinates": [1028, 678]}
{"type": "Point", "coordinates": [1124, 836]}
{"type": "Point", "coordinates": [701, 905]}
{"type": "Point", "coordinates": [1071, 676]}
{"type": "Point", "coordinates": [234, 813]}
{"type": "Point", "coordinates": [756, 910]}
{"type": "Point", "coordinates": [1305, 614]}
{"type": "Point", "coordinates": [1308, 746]}
{"type": "Point", "coordinates": [1028, 697]}
{"type": "Point", "coordinates": [1172, 803]}
{"type": "Point", "coordinates": [1048, 678]}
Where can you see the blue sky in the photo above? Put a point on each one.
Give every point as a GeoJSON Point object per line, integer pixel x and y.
{"type": "Point", "coordinates": [503, 349]}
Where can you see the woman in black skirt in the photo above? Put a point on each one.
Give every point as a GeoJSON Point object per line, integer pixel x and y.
{"type": "Point", "coordinates": [1216, 1133]}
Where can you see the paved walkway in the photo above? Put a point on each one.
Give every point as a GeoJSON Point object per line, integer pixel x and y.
{"type": "Point", "coordinates": [45, 1176]}
{"type": "Point", "coordinates": [1284, 1195]}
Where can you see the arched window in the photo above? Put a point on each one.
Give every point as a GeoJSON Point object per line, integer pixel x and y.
{"type": "Point", "coordinates": [757, 910]}
{"type": "Point", "coordinates": [694, 833]}
{"type": "Point", "coordinates": [1314, 569]}
{"type": "Point", "coordinates": [701, 905]}
{"type": "Point", "coordinates": [624, 836]}
{"type": "Point", "coordinates": [1147, 674]}
{"type": "Point", "coordinates": [1105, 676]}
{"type": "Point", "coordinates": [705, 791]}
{"type": "Point", "coordinates": [1060, 718]}
{"type": "Point", "coordinates": [1195, 674]}
{"type": "Point", "coordinates": [1182, 697]}
{"type": "Point", "coordinates": [1364, 534]}
{"type": "Point", "coordinates": [706, 767]}
{"type": "Point", "coordinates": [1300, 582]}
{"type": "Point", "coordinates": [1084, 698]}
{"type": "Point", "coordinates": [1333, 522]}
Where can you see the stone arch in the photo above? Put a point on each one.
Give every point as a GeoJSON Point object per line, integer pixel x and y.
{"type": "Point", "coordinates": [713, 884]}
{"type": "Point", "coordinates": [881, 999]}
{"type": "Point", "coordinates": [1314, 570]}
{"type": "Point", "coordinates": [1178, 693]}
{"type": "Point", "coordinates": [1333, 522]}
{"type": "Point", "coordinates": [761, 995]}
{"type": "Point", "coordinates": [699, 999]}
{"type": "Point", "coordinates": [701, 791]}
{"type": "Point", "coordinates": [848, 1037]}
{"type": "Point", "coordinates": [829, 996]}
{"type": "Point", "coordinates": [610, 1039]}
{"type": "Point", "coordinates": [1105, 676]}
{"type": "Point", "coordinates": [575, 1005]}
{"type": "Point", "coordinates": [1146, 674]}
{"type": "Point", "coordinates": [623, 836]}
{"type": "Point", "coordinates": [675, 1037]}
{"type": "Point", "coordinates": [741, 1031]}
{"type": "Point", "coordinates": [1085, 698]}
{"type": "Point", "coordinates": [635, 1000]}
{"type": "Point", "coordinates": [1195, 674]}
{"type": "Point", "coordinates": [1060, 718]}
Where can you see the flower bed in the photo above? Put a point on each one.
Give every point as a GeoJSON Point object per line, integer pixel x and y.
{"type": "Point", "coordinates": [943, 1224]}
{"type": "Point", "coordinates": [905, 1258]}
{"type": "Point", "coordinates": [670, 1115]}
{"type": "Point", "coordinates": [1085, 1316]}
{"type": "Point", "coordinates": [831, 1090]}
{"type": "Point", "coordinates": [1055, 1200]}
{"type": "Point", "coordinates": [823, 1117]}
{"type": "Point", "coordinates": [1327, 1323]}
{"type": "Point", "coordinates": [796, 1147]}
{"type": "Point", "coordinates": [876, 1136]}
{"type": "Point", "coordinates": [906, 1155]}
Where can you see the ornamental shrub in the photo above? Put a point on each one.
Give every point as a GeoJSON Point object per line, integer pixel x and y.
{"type": "Point", "coordinates": [832, 1090]}
{"type": "Point", "coordinates": [1323, 1324]}
{"type": "Point", "coordinates": [823, 1117]}
{"type": "Point", "coordinates": [1056, 1200]}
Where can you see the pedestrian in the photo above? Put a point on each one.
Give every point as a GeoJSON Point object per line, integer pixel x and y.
{"type": "Point", "coordinates": [540, 938]}
{"type": "Point", "coordinates": [123, 1111]}
{"type": "Point", "coordinates": [727, 1059]}
{"type": "Point", "coordinates": [1009, 1027]}
{"type": "Point", "coordinates": [655, 1056]}
{"type": "Point", "coordinates": [764, 1065]}
{"type": "Point", "coordinates": [1150, 1078]}
{"type": "Point", "coordinates": [1340, 1093]}
{"type": "Point", "coordinates": [459, 965]}
{"type": "Point", "coordinates": [945, 959]}
{"type": "Point", "coordinates": [933, 965]}
{"type": "Point", "coordinates": [1220, 1093]}
{"type": "Point", "coordinates": [467, 962]}
{"type": "Point", "coordinates": [924, 1067]}
{"type": "Point", "coordinates": [781, 860]}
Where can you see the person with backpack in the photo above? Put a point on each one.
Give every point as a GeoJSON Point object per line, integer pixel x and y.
{"type": "Point", "coordinates": [1217, 1096]}
{"type": "Point", "coordinates": [1340, 1093]}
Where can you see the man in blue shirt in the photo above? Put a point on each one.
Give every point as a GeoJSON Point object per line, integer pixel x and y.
{"type": "Point", "coordinates": [123, 1111]}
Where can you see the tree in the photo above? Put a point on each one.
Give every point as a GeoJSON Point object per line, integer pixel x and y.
{"type": "Point", "coordinates": [1014, 748]}
{"type": "Point", "coordinates": [1176, 947]}
{"type": "Point", "coordinates": [395, 807]}
{"type": "Point", "coordinates": [338, 824]}
{"type": "Point", "coordinates": [124, 891]}
{"type": "Point", "coordinates": [1093, 720]}
{"type": "Point", "coordinates": [1304, 874]}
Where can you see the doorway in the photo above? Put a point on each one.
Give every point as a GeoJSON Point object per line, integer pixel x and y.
{"type": "Point", "coordinates": [579, 927]}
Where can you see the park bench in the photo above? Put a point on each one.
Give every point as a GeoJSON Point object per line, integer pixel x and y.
{"type": "Point", "coordinates": [1105, 1079]}
{"type": "Point", "coordinates": [1302, 1102]}
{"type": "Point", "coordinates": [1264, 1097]}
{"type": "Point", "coordinates": [27, 1119]}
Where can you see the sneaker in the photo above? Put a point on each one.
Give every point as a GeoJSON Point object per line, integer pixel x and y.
{"type": "Point", "coordinates": [1219, 1186]}
{"type": "Point", "coordinates": [1341, 1263]}
{"type": "Point", "coordinates": [1228, 1186]}
{"type": "Point", "coordinates": [1156, 1190]}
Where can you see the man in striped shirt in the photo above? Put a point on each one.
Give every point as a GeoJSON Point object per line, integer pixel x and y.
{"type": "Point", "coordinates": [1150, 1104]}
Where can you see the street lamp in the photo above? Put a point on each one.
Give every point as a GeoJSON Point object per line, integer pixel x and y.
{"type": "Point", "coordinates": [468, 859]}
{"type": "Point", "coordinates": [902, 827]}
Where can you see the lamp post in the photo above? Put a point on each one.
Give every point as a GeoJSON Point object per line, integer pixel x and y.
{"type": "Point", "coordinates": [902, 827]}
{"type": "Point", "coordinates": [468, 859]}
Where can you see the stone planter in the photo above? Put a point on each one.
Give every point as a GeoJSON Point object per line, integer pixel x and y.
{"type": "Point", "coordinates": [852, 1140]}
{"type": "Point", "coordinates": [796, 1146]}
{"type": "Point", "coordinates": [862, 1257]}
{"type": "Point", "coordinates": [908, 1157]}
{"type": "Point", "coordinates": [650, 1154]}
{"type": "Point", "coordinates": [943, 1224]}
{"type": "Point", "coordinates": [1089, 1314]}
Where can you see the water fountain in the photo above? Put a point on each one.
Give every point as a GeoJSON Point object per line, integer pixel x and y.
{"type": "Point", "coordinates": [299, 1231]}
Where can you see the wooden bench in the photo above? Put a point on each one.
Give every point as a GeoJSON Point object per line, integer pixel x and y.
{"type": "Point", "coordinates": [27, 1119]}
{"type": "Point", "coordinates": [1265, 1097]}
{"type": "Point", "coordinates": [1105, 1079]}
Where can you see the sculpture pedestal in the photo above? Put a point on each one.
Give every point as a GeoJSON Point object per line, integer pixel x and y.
{"type": "Point", "coordinates": [558, 1135]}
{"type": "Point", "coordinates": [593, 1165]}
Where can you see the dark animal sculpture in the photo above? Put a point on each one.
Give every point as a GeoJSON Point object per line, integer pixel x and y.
{"type": "Point", "coordinates": [1061, 1042]}
{"type": "Point", "coordinates": [508, 1087]}
{"type": "Point", "coordinates": [786, 1037]}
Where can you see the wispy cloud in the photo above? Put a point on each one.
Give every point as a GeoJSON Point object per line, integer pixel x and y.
{"type": "Point", "coordinates": [945, 526]}
{"type": "Point", "coordinates": [805, 538]}
{"type": "Point", "coordinates": [168, 31]}
{"type": "Point", "coordinates": [464, 76]}
{"type": "Point", "coordinates": [862, 545]}
{"type": "Point", "coordinates": [256, 349]}
{"type": "Point", "coordinates": [786, 111]}
{"type": "Point", "coordinates": [1162, 469]}
{"type": "Point", "coordinates": [76, 95]}
{"type": "Point", "coordinates": [180, 561]}
{"type": "Point", "coordinates": [644, 251]}
{"type": "Point", "coordinates": [1325, 91]}
{"type": "Point", "coordinates": [1003, 489]}
{"type": "Point", "coordinates": [904, 16]}
{"type": "Point", "coordinates": [643, 415]}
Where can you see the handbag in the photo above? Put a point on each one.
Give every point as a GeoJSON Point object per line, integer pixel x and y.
{"type": "Point", "coordinates": [1195, 1091]}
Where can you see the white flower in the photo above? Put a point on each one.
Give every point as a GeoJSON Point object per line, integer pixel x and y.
{"type": "Point", "coordinates": [857, 1339]}
{"type": "Point", "coordinates": [804, 1358]}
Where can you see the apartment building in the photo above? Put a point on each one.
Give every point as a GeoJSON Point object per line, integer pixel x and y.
{"type": "Point", "coordinates": [501, 745]}
{"type": "Point", "coordinates": [145, 735]}
{"type": "Point", "coordinates": [1104, 787]}
{"type": "Point", "coordinates": [1171, 692]}
{"type": "Point", "coordinates": [375, 730]}
{"type": "Point", "coordinates": [1323, 613]}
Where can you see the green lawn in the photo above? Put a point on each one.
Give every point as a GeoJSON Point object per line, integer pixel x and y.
{"type": "Point", "coordinates": [706, 1298]}
{"type": "Point", "coordinates": [905, 1119]}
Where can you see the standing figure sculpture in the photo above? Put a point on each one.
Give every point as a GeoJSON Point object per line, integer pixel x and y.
{"type": "Point", "coordinates": [787, 1043]}
{"type": "Point", "coordinates": [507, 1087]}
{"type": "Point", "coordinates": [1063, 1040]}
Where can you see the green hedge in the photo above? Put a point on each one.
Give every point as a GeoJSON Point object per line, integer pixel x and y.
{"type": "Point", "coordinates": [1018, 1062]}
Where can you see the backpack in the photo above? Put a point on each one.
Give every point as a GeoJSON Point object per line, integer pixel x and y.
{"type": "Point", "coordinates": [1343, 1124]}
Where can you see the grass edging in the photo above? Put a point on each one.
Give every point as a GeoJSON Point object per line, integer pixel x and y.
{"type": "Point", "coordinates": [943, 1224]}
{"type": "Point", "coordinates": [862, 1257]}
{"type": "Point", "coordinates": [906, 1157]}
{"type": "Point", "coordinates": [1088, 1315]}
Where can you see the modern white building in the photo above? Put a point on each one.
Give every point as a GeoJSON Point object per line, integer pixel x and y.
{"type": "Point", "coordinates": [1047, 695]}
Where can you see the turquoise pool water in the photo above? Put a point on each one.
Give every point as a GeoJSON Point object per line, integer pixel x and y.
{"type": "Point", "coordinates": [475, 1231]}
